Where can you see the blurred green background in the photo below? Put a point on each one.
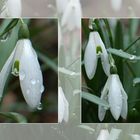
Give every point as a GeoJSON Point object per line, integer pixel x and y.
{"type": "Point", "coordinates": [44, 37]}
{"type": "Point", "coordinates": [124, 33]}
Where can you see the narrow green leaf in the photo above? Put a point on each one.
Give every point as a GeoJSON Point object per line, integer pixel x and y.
{"type": "Point", "coordinates": [14, 116]}
{"type": "Point", "coordinates": [48, 61]}
{"type": "Point", "coordinates": [94, 99]}
{"type": "Point", "coordinates": [123, 54]}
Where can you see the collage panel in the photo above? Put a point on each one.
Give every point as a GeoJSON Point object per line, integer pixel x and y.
{"type": "Point", "coordinates": [110, 70]}
{"type": "Point", "coordinates": [29, 75]}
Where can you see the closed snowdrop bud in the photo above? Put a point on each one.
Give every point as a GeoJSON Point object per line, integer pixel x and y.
{"type": "Point", "coordinates": [72, 15]}
{"type": "Point", "coordinates": [95, 49]}
{"type": "Point", "coordinates": [24, 63]}
{"type": "Point", "coordinates": [116, 4]}
{"type": "Point", "coordinates": [104, 135]}
{"type": "Point", "coordinates": [30, 75]}
{"type": "Point", "coordinates": [117, 99]}
{"type": "Point", "coordinates": [63, 107]}
{"type": "Point", "coordinates": [12, 8]}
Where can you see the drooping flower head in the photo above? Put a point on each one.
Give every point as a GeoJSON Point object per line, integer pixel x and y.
{"type": "Point", "coordinates": [95, 49]}
{"type": "Point", "coordinates": [114, 93]}
{"type": "Point", "coordinates": [24, 63]}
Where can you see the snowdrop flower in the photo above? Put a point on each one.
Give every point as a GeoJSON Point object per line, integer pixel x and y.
{"type": "Point", "coordinates": [72, 15]}
{"type": "Point", "coordinates": [24, 63]}
{"type": "Point", "coordinates": [116, 4]}
{"type": "Point", "coordinates": [95, 49]}
{"type": "Point", "coordinates": [61, 5]}
{"type": "Point", "coordinates": [12, 8]}
{"type": "Point", "coordinates": [115, 95]}
{"type": "Point", "coordinates": [63, 106]}
{"type": "Point", "coordinates": [104, 135]}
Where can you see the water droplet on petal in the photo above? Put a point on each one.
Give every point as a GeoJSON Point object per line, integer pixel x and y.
{"type": "Point", "coordinates": [38, 81]}
{"type": "Point", "coordinates": [42, 89]}
{"type": "Point", "coordinates": [33, 81]}
{"type": "Point", "coordinates": [22, 75]}
{"type": "Point", "coordinates": [40, 107]}
{"type": "Point", "coordinates": [132, 57]}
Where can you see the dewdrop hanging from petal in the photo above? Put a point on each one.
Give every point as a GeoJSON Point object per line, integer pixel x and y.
{"type": "Point", "coordinates": [114, 93]}
{"type": "Point", "coordinates": [72, 14]}
{"type": "Point", "coordinates": [95, 49]}
{"type": "Point", "coordinates": [24, 63]}
{"type": "Point", "coordinates": [63, 106]}
{"type": "Point", "coordinates": [11, 8]}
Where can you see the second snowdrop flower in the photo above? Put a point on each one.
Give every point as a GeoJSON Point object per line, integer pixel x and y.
{"type": "Point", "coordinates": [63, 106]}
{"type": "Point", "coordinates": [95, 49]}
{"type": "Point", "coordinates": [114, 93]}
{"type": "Point", "coordinates": [24, 63]}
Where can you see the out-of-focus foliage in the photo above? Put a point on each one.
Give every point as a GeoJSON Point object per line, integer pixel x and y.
{"type": "Point", "coordinates": [43, 34]}
{"type": "Point", "coordinates": [125, 37]}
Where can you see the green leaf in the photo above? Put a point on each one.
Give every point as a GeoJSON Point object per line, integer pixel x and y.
{"type": "Point", "coordinates": [123, 54]}
{"type": "Point", "coordinates": [14, 116]}
{"type": "Point", "coordinates": [9, 27]}
{"type": "Point", "coordinates": [94, 99]}
{"type": "Point", "coordinates": [48, 61]}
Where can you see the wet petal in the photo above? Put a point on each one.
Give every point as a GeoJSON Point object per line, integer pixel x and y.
{"type": "Point", "coordinates": [125, 104]}
{"type": "Point", "coordinates": [104, 54]}
{"type": "Point", "coordinates": [30, 75]}
{"type": "Point", "coordinates": [5, 72]}
{"type": "Point", "coordinates": [63, 106]}
{"type": "Point", "coordinates": [90, 57]}
{"type": "Point", "coordinates": [101, 109]}
{"type": "Point", "coordinates": [115, 96]}
{"type": "Point", "coordinates": [104, 135]}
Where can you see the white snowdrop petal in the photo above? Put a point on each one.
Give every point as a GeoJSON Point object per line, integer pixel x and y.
{"type": "Point", "coordinates": [115, 97]}
{"type": "Point", "coordinates": [90, 57]}
{"type": "Point", "coordinates": [101, 109]}
{"type": "Point", "coordinates": [72, 15]}
{"type": "Point", "coordinates": [30, 75]}
{"type": "Point", "coordinates": [116, 4]}
{"type": "Point", "coordinates": [125, 104]}
{"type": "Point", "coordinates": [104, 54]}
{"type": "Point", "coordinates": [61, 5]}
{"type": "Point", "coordinates": [5, 72]}
{"type": "Point", "coordinates": [63, 106]}
{"type": "Point", "coordinates": [103, 135]}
